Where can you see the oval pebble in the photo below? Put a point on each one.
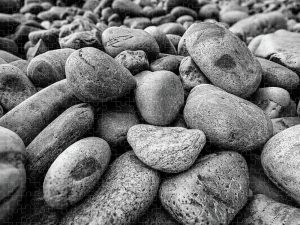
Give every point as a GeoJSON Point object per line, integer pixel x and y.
{"type": "Point", "coordinates": [75, 172]}
{"type": "Point", "coordinates": [94, 76]}
{"type": "Point", "coordinates": [125, 193]}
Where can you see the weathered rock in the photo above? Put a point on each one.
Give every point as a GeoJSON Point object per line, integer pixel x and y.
{"type": "Point", "coordinates": [125, 193]}
{"type": "Point", "coordinates": [228, 121]}
{"type": "Point", "coordinates": [224, 59]}
{"type": "Point", "coordinates": [211, 192]}
{"type": "Point", "coordinates": [281, 47]}
{"type": "Point", "coordinates": [280, 160]}
{"type": "Point", "coordinates": [159, 96]}
{"type": "Point", "coordinates": [94, 76]}
{"type": "Point", "coordinates": [168, 149]}
{"type": "Point", "coordinates": [134, 61]}
{"type": "Point", "coordinates": [118, 39]}
{"type": "Point", "coordinates": [275, 75]}
{"type": "Point", "coordinates": [75, 172]}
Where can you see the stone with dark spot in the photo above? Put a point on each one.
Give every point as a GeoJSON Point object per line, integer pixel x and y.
{"type": "Point", "coordinates": [168, 149]}
{"type": "Point", "coordinates": [223, 58]}
{"type": "Point", "coordinates": [213, 191]}
{"type": "Point", "coordinates": [75, 172]}
{"type": "Point", "coordinates": [66, 129]}
{"type": "Point", "coordinates": [225, 62]}
{"type": "Point", "coordinates": [126, 191]}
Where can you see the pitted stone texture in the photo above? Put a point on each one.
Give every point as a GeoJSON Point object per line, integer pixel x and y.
{"type": "Point", "coordinates": [168, 149]}
{"type": "Point", "coordinates": [211, 192]}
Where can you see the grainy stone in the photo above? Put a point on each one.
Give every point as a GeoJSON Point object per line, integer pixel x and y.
{"type": "Point", "coordinates": [211, 192]}
{"type": "Point", "coordinates": [125, 193]}
{"type": "Point", "coordinates": [168, 149]}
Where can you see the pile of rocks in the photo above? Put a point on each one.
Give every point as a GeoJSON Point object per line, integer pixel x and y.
{"type": "Point", "coordinates": [149, 112]}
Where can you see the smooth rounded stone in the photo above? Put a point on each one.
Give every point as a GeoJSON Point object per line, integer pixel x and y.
{"type": "Point", "coordinates": [172, 28]}
{"type": "Point", "coordinates": [174, 39]}
{"type": "Point", "coordinates": [125, 193]}
{"type": "Point", "coordinates": [184, 20]}
{"type": "Point", "coordinates": [62, 132]}
{"type": "Point", "coordinates": [15, 86]}
{"type": "Point", "coordinates": [280, 124]}
{"type": "Point", "coordinates": [157, 215]}
{"type": "Point", "coordinates": [167, 149]}
{"type": "Point", "coordinates": [224, 59]}
{"type": "Point", "coordinates": [50, 37]}
{"type": "Point", "coordinates": [81, 39]}
{"type": "Point", "coordinates": [232, 17]}
{"type": "Point", "coordinates": [8, 45]}
{"type": "Point", "coordinates": [182, 50]}
{"type": "Point", "coordinates": [21, 64]}
{"type": "Point", "coordinates": [75, 172]}
{"type": "Point", "coordinates": [114, 123]}
{"type": "Point", "coordinates": [170, 4]}
{"type": "Point", "coordinates": [118, 39]}
{"type": "Point", "coordinates": [271, 100]}
{"type": "Point", "coordinates": [8, 57]}
{"type": "Point", "coordinates": [209, 11]}
{"type": "Point", "coordinates": [140, 23]}
{"type": "Point", "coordinates": [255, 42]}
{"type": "Point", "coordinates": [127, 8]}
{"type": "Point", "coordinates": [35, 211]}
{"type": "Point", "coordinates": [36, 50]}
{"type": "Point", "coordinates": [12, 172]}
{"type": "Point", "coordinates": [31, 116]}
{"type": "Point", "coordinates": [179, 11]}
{"type": "Point", "coordinates": [151, 12]}
{"type": "Point", "coordinates": [281, 47]}
{"type": "Point", "coordinates": [115, 18]}
{"type": "Point", "coordinates": [169, 63]}
{"type": "Point", "coordinates": [190, 74]}
{"type": "Point", "coordinates": [134, 61]}
{"type": "Point", "coordinates": [106, 13]}
{"type": "Point", "coordinates": [53, 14]}
{"type": "Point", "coordinates": [264, 210]}
{"type": "Point", "coordinates": [213, 191]}
{"type": "Point", "coordinates": [49, 67]}
{"type": "Point", "coordinates": [8, 24]}
{"type": "Point", "coordinates": [94, 76]}
{"type": "Point", "coordinates": [228, 121]}
{"type": "Point", "coordinates": [261, 184]}
{"type": "Point", "coordinates": [165, 45]}
{"type": "Point", "coordinates": [280, 160]}
{"type": "Point", "coordinates": [275, 75]}
{"type": "Point", "coordinates": [261, 23]}
{"type": "Point", "coordinates": [33, 8]}
{"type": "Point", "coordinates": [159, 96]}
{"type": "Point", "coordinates": [156, 21]}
